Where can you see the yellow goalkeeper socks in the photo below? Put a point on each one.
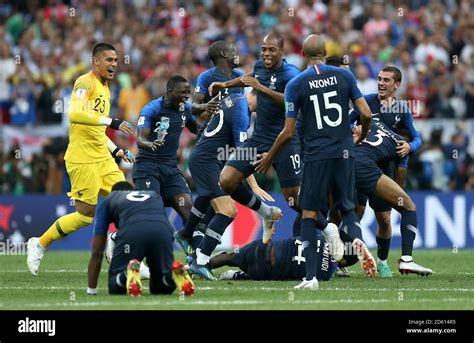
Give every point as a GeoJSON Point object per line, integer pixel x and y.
{"type": "Point", "coordinates": [63, 227]}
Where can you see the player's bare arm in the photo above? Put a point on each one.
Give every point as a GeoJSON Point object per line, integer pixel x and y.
{"type": "Point", "coordinates": [197, 107]}
{"type": "Point", "coordinates": [250, 81]}
{"type": "Point", "coordinates": [365, 117]}
{"type": "Point", "coordinates": [144, 143]}
{"type": "Point", "coordinates": [264, 161]}
{"type": "Point", "coordinates": [95, 263]}
{"type": "Point", "coordinates": [217, 86]}
{"type": "Point", "coordinates": [204, 110]}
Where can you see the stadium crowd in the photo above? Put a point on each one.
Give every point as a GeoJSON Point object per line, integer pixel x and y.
{"type": "Point", "coordinates": [46, 45]}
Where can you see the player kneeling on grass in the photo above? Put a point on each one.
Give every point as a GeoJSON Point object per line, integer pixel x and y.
{"type": "Point", "coordinates": [143, 231]}
{"type": "Point", "coordinates": [279, 260]}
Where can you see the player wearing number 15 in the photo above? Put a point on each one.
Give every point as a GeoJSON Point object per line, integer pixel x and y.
{"type": "Point", "coordinates": [89, 156]}
{"type": "Point", "coordinates": [322, 93]}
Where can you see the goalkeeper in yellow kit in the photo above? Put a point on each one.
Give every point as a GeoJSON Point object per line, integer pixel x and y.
{"type": "Point", "coordinates": [89, 156]}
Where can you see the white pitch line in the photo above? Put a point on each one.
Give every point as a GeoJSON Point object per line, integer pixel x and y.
{"type": "Point", "coordinates": [149, 303]}
{"type": "Point", "coordinates": [146, 302]}
{"type": "Point", "coordinates": [264, 289]}
{"type": "Point", "coordinates": [45, 288]}
{"type": "Point", "coordinates": [52, 271]}
{"type": "Point", "coordinates": [271, 289]}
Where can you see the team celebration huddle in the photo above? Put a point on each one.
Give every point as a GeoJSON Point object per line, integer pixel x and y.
{"type": "Point", "coordinates": [332, 148]}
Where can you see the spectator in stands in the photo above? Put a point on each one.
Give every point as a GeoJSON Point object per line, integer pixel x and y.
{"type": "Point", "coordinates": [164, 39]}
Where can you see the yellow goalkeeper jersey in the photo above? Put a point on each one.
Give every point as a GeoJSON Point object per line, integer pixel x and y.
{"type": "Point", "coordinates": [88, 143]}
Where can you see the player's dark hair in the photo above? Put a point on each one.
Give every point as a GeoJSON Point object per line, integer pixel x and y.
{"type": "Point", "coordinates": [397, 74]}
{"type": "Point", "coordinates": [279, 39]}
{"type": "Point", "coordinates": [215, 50]}
{"type": "Point", "coordinates": [99, 47]}
{"type": "Point", "coordinates": [174, 81]}
{"type": "Point", "coordinates": [123, 186]}
{"type": "Point", "coordinates": [336, 61]}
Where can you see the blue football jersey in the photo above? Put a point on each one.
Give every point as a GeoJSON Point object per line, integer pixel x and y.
{"type": "Point", "coordinates": [396, 117]}
{"type": "Point", "coordinates": [226, 129]}
{"type": "Point", "coordinates": [150, 117]}
{"type": "Point", "coordinates": [290, 262]}
{"type": "Point", "coordinates": [322, 94]}
{"type": "Point", "coordinates": [211, 75]}
{"type": "Point", "coordinates": [380, 145]}
{"type": "Point", "coordinates": [271, 115]}
{"type": "Point", "coordinates": [126, 208]}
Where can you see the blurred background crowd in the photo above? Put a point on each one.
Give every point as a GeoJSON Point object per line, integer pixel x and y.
{"type": "Point", "coordinates": [46, 45]}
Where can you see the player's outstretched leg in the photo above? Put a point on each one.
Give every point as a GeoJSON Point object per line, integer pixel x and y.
{"type": "Point", "coordinates": [59, 229]}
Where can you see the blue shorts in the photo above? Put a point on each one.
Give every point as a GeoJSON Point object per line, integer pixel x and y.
{"type": "Point", "coordinates": [166, 180]}
{"type": "Point", "coordinates": [321, 178]}
{"type": "Point", "coordinates": [206, 176]}
{"type": "Point", "coordinates": [287, 163]}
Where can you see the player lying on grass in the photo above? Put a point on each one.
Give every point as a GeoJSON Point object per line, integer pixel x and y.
{"type": "Point", "coordinates": [143, 231]}
{"type": "Point", "coordinates": [381, 146]}
{"type": "Point", "coordinates": [279, 260]}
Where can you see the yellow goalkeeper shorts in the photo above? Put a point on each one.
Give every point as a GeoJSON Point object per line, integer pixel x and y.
{"type": "Point", "coordinates": [88, 180]}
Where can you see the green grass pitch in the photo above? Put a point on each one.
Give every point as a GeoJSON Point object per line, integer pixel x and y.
{"type": "Point", "coordinates": [62, 281]}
